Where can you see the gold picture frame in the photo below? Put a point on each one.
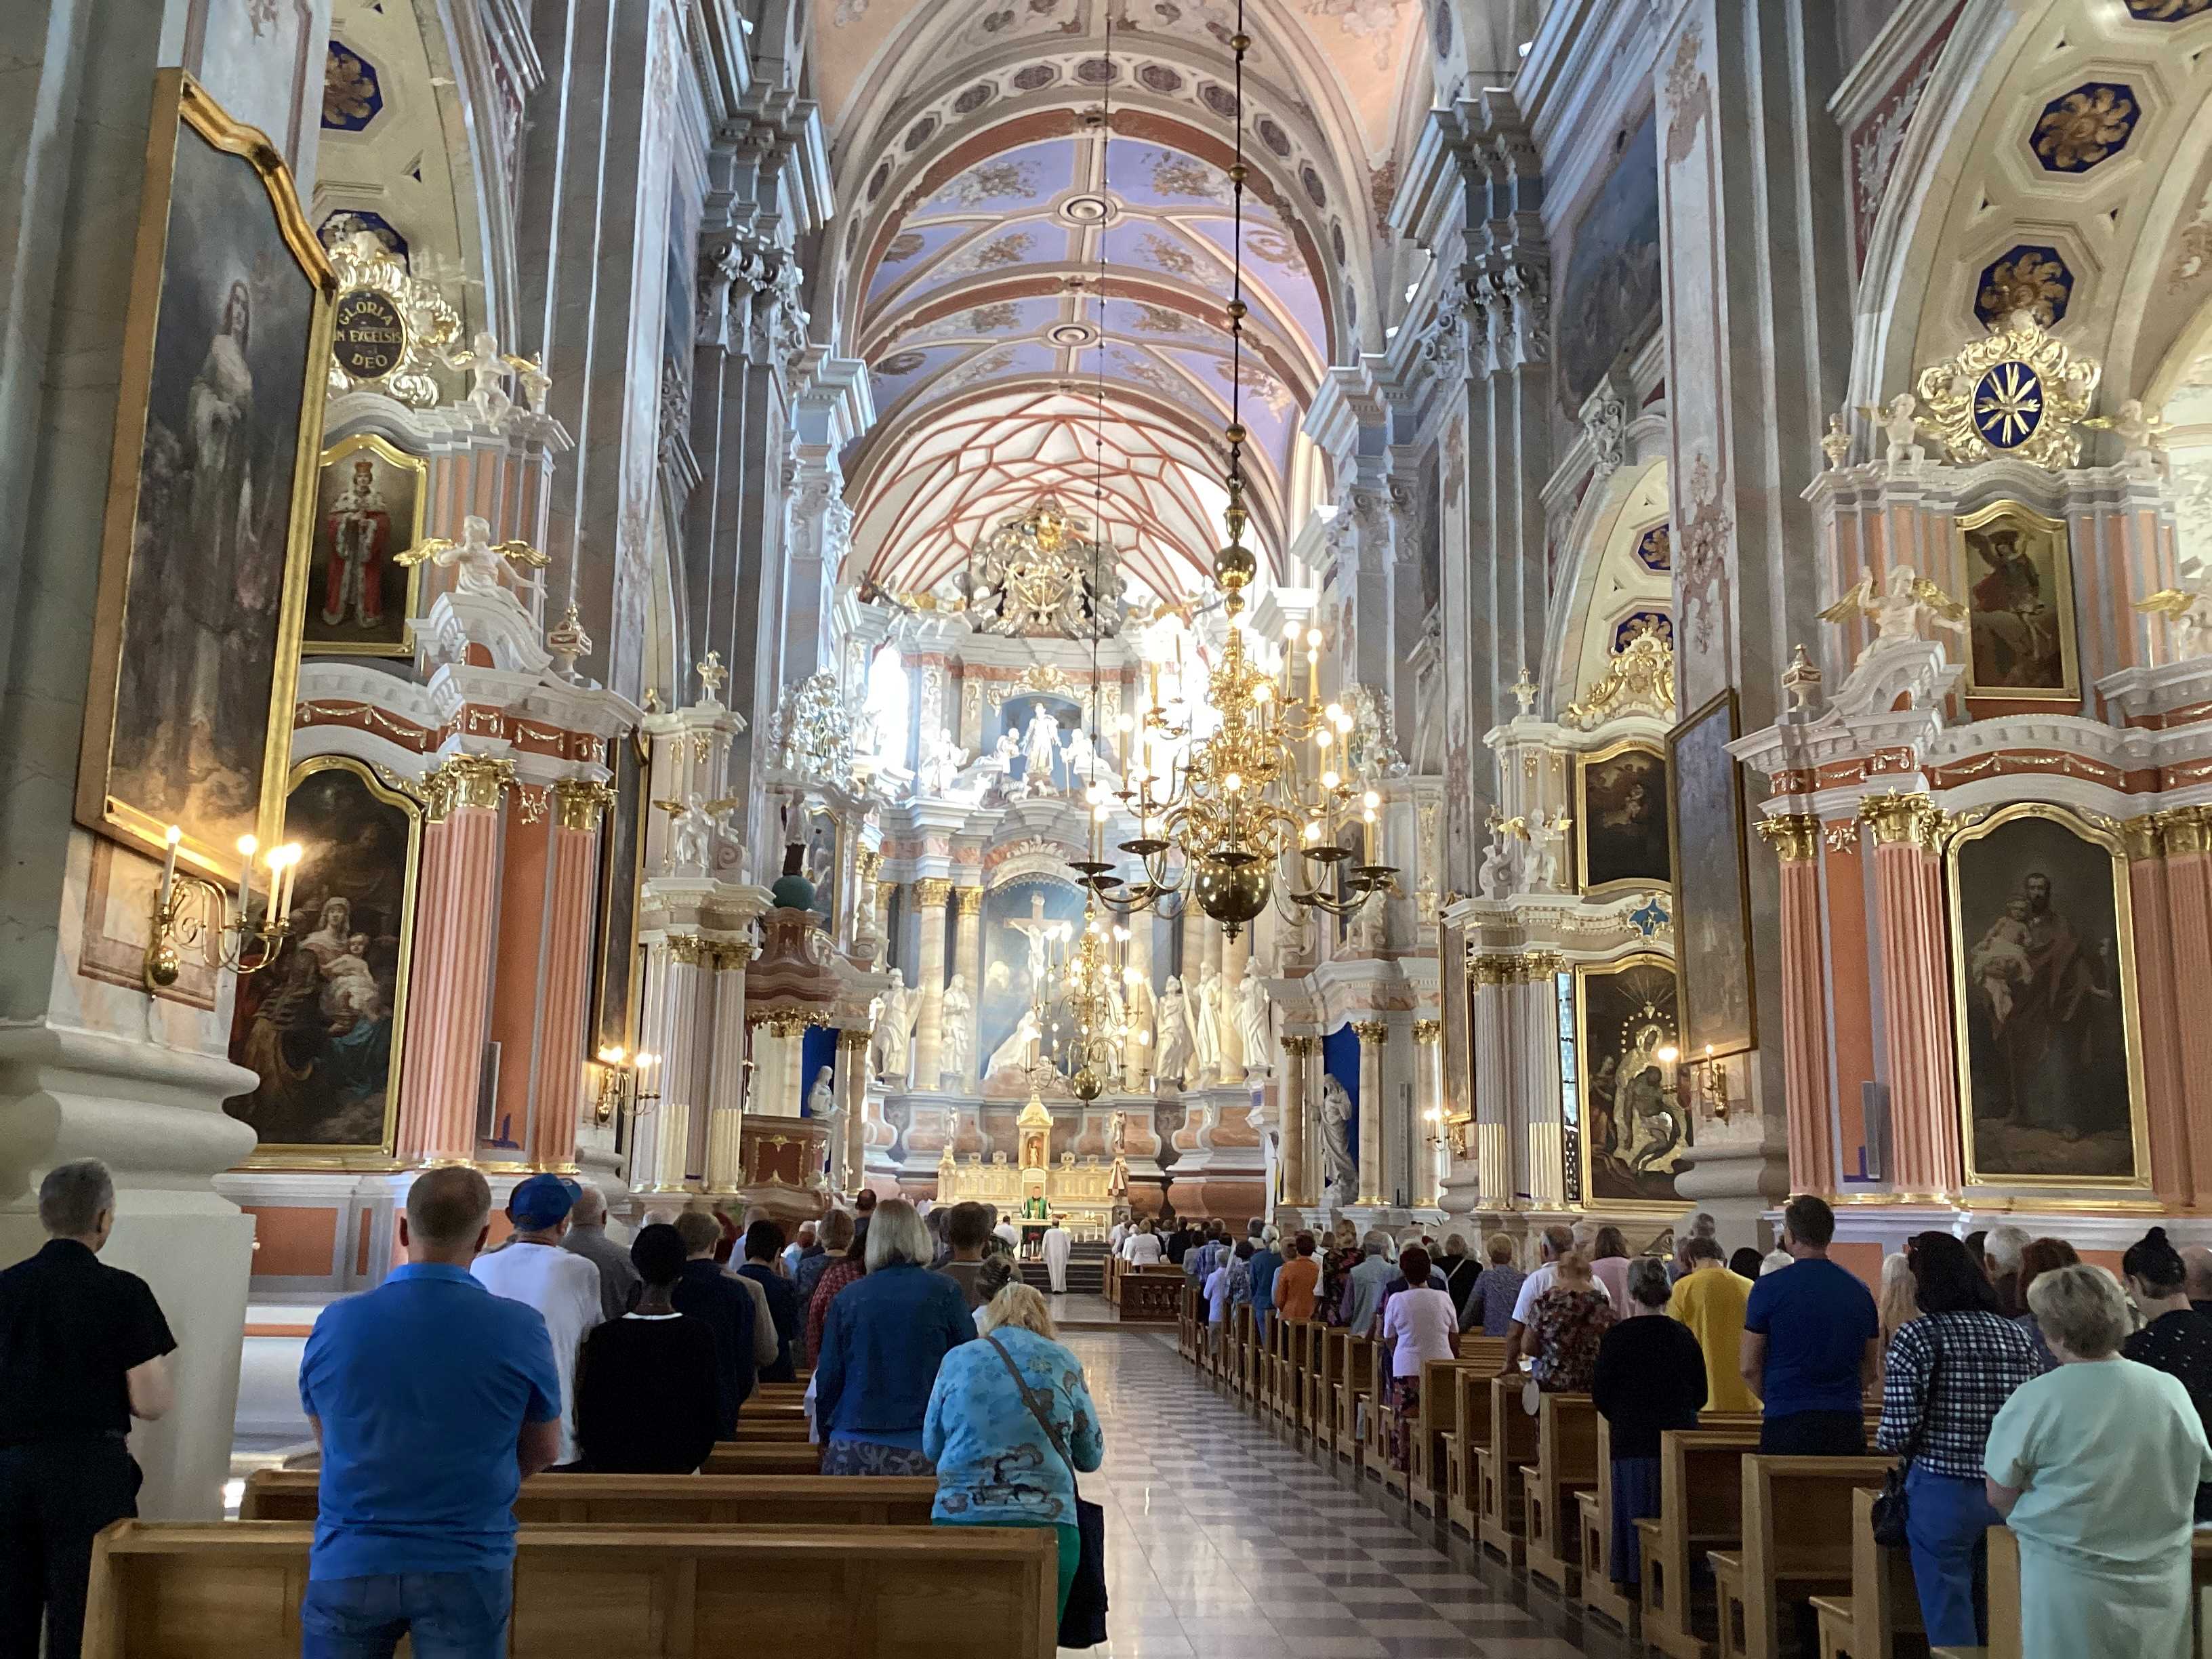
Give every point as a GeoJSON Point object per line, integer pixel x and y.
{"type": "Point", "coordinates": [266, 984]}
{"type": "Point", "coordinates": [2001, 636]}
{"type": "Point", "coordinates": [1612, 848]}
{"type": "Point", "coordinates": [334, 463]}
{"type": "Point", "coordinates": [1999, 945]}
{"type": "Point", "coordinates": [1723, 1019]}
{"type": "Point", "coordinates": [230, 322]}
{"type": "Point", "coordinates": [620, 882]}
{"type": "Point", "coordinates": [1666, 1202]}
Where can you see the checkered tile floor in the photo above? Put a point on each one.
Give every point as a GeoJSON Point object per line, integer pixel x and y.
{"type": "Point", "coordinates": [1225, 1540]}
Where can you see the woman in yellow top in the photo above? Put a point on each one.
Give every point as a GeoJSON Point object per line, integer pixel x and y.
{"type": "Point", "coordinates": [1709, 1300]}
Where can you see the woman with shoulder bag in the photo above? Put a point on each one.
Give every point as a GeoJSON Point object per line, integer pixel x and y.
{"type": "Point", "coordinates": [1947, 1374]}
{"type": "Point", "coordinates": [1010, 1423]}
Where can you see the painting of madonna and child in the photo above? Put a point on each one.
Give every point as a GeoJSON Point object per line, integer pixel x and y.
{"type": "Point", "coordinates": [319, 1026]}
{"type": "Point", "coordinates": [2041, 948]}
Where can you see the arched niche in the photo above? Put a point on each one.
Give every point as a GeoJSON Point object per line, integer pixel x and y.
{"type": "Point", "coordinates": [1620, 574]}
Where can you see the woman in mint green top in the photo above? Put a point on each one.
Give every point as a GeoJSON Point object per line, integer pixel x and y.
{"type": "Point", "coordinates": [2094, 1466]}
{"type": "Point", "coordinates": [996, 1467]}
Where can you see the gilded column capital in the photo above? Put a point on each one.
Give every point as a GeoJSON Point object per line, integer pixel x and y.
{"type": "Point", "coordinates": [731, 958]}
{"type": "Point", "coordinates": [1494, 970]}
{"type": "Point", "coordinates": [1542, 964]}
{"type": "Point", "coordinates": [2144, 837]}
{"type": "Point", "coordinates": [1428, 1031]}
{"type": "Point", "coordinates": [853, 1042]}
{"type": "Point", "coordinates": [687, 948]}
{"type": "Point", "coordinates": [1369, 1031]}
{"type": "Point", "coordinates": [969, 899]}
{"type": "Point", "coordinates": [867, 861]}
{"type": "Point", "coordinates": [578, 803]}
{"type": "Point", "coordinates": [2185, 830]}
{"type": "Point", "coordinates": [1304, 1046]}
{"type": "Point", "coordinates": [1795, 837]}
{"type": "Point", "coordinates": [1895, 817]}
{"type": "Point", "coordinates": [932, 892]}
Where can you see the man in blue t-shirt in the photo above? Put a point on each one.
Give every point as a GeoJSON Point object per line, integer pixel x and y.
{"type": "Point", "coordinates": [432, 1400]}
{"type": "Point", "coordinates": [1812, 1342]}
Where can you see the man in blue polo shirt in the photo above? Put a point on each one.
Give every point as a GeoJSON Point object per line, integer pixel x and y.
{"type": "Point", "coordinates": [432, 1400]}
{"type": "Point", "coordinates": [1812, 1343]}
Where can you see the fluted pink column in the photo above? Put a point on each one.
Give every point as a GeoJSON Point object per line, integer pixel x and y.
{"type": "Point", "coordinates": [456, 922]}
{"type": "Point", "coordinates": [2189, 902]}
{"type": "Point", "coordinates": [1796, 839]}
{"type": "Point", "coordinates": [2172, 1169]}
{"type": "Point", "coordinates": [570, 887]}
{"type": "Point", "coordinates": [1919, 1044]}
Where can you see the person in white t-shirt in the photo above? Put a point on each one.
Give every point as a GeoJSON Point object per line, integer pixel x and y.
{"type": "Point", "coordinates": [1418, 1324]}
{"type": "Point", "coordinates": [1142, 1247]}
{"type": "Point", "coordinates": [1557, 1242]}
{"type": "Point", "coordinates": [532, 1268]}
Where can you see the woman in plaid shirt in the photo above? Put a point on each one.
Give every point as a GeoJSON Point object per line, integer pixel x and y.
{"type": "Point", "coordinates": [1948, 1373]}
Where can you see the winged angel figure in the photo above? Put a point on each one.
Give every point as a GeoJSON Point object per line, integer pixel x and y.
{"type": "Point", "coordinates": [476, 559]}
{"type": "Point", "coordinates": [2189, 611]}
{"type": "Point", "coordinates": [1896, 609]}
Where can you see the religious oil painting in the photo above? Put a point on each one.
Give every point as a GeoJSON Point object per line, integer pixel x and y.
{"type": "Point", "coordinates": [1628, 1040]}
{"type": "Point", "coordinates": [1620, 819]}
{"type": "Point", "coordinates": [368, 509]}
{"type": "Point", "coordinates": [2019, 594]}
{"type": "Point", "coordinates": [616, 962]}
{"type": "Point", "coordinates": [1029, 925]}
{"type": "Point", "coordinates": [2050, 1058]}
{"type": "Point", "coordinates": [211, 497]}
{"type": "Point", "coordinates": [320, 1026]}
{"type": "Point", "coordinates": [1609, 296]}
{"type": "Point", "coordinates": [1712, 893]}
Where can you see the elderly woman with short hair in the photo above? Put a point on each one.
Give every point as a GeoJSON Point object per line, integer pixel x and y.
{"type": "Point", "coordinates": [1010, 1421]}
{"type": "Point", "coordinates": [885, 1338]}
{"type": "Point", "coordinates": [2094, 1467]}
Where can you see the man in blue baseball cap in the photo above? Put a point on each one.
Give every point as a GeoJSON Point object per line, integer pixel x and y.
{"type": "Point", "coordinates": [532, 1268]}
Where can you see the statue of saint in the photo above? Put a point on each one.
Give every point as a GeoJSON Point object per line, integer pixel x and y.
{"type": "Point", "coordinates": [958, 1035]}
{"type": "Point", "coordinates": [1039, 750]}
{"type": "Point", "coordinates": [822, 1099]}
{"type": "Point", "coordinates": [1206, 1028]}
{"type": "Point", "coordinates": [1343, 1175]}
{"type": "Point", "coordinates": [1252, 1018]}
{"type": "Point", "coordinates": [1171, 1058]}
{"type": "Point", "coordinates": [887, 1048]}
{"type": "Point", "coordinates": [1018, 1052]}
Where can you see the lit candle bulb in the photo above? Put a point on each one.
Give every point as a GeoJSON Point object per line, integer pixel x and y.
{"type": "Point", "coordinates": [247, 847]}
{"type": "Point", "coordinates": [169, 867]}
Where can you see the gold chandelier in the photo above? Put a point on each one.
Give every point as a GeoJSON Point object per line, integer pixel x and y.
{"type": "Point", "coordinates": [1091, 1059]}
{"type": "Point", "coordinates": [1263, 805]}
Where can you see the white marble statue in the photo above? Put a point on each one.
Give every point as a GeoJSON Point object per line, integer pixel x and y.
{"type": "Point", "coordinates": [1040, 749]}
{"type": "Point", "coordinates": [1206, 1028]}
{"type": "Point", "coordinates": [691, 834]}
{"type": "Point", "coordinates": [1172, 1054]}
{"type": "Point", "coordinates": [941, 761]}
{"type": "Point", "coordinates": [958, 1035]}
{"type": "Point", "coordinates": [1547, 833]}
{"type": "Point", "coordinates": [488, 372]}
{"type": "Point", "coordinates": [1343, 1173]}
{"type": "Point", "coordinates": [1496, 879]}
{"type": "Point", "coordinates": [479, 563]}
{"type": "Point", "coordinates": [1082, 757]}
{"type": "Point", "coordinates": [822, 1098]}
{"type": "Point", "coordinates": [1896, 612]}
{"type": "Point", "coordinates": [1038, 934]}
{"type": "Point", "coordinates": [1252, 1018]}
{"type": "Point", "coordinates": [1898, 422]}
{"type": "Point", "coordinates": [1019, 1052]}
{"type": "Point", "coordinates": [894, 1017]}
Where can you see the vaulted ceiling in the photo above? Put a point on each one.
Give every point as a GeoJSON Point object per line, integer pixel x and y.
{"type": "Point", "coordinates": [1038, 232]}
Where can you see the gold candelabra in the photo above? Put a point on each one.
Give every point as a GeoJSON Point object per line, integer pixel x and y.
{"type": "Point", "coordinates": [1091, 1055]}
{"type": "Point", "coordinates": [624, 1077]}
{"type": "Point", "coordinates": [176, 921]}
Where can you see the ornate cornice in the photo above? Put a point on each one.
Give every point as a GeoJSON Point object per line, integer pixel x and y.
{"type": "Point", "coordinates": [577, 804]}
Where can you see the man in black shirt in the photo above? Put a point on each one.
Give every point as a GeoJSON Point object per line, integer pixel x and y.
{"type": "Point", "coordinates": [726, 1308]}
{"type": "Point", "coordinates": [763, 1244]}
{"type": "Point", "coordinates": [83, 1351]}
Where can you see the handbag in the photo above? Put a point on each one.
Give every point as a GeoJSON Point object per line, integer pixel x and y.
{"type": "Point", "coordinates": [1083, 1623]}
{"type": "Point", "coordinates": [1893, 1509]}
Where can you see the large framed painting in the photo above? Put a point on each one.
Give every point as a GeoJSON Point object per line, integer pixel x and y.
{"type": "Point", "coordinates": [369, 499]}
{"type": "Point", "coordinates": [617, 963]}
{"type": "Point", "coordinates": [320, 1026]}
{"type": "Point", "coordinates": [1712, 882]}
{"type": "Point", "coordinates": [1628, 1044]}
{"type": "Point", "coordinates": [1620, 819]}
{"type": "Point", "coordinates": [1608, 297]}
{"type": "Point", "coordinates": [211, 495]}
{"type": "Point", "coordinates": [2020, 605]}
{"type": "Point", "coordinates": [2050, 1085]}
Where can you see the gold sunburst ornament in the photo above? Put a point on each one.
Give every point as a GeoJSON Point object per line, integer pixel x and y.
{"type": "Point", "coordinates": [2018, 391]}
{"type": "Point", "coordinates": [391, 326]}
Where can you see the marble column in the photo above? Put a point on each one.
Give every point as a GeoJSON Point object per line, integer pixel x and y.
{"type": "Point", "coordinates": [441, 1078]}
{"type": "Point", "coordinates": [1796, 840]}
{"type": "Point", "coordinates": [853, 1098]}
{"type": "Point", "coordinates": [1374, 1112]}
{"type": "Point", "coordinates": [968, 963]}
{"type": "Point", "coordinates": [2186, 876]}
{"type": "Point", "coordinates": [677, 1041]}
{"type": "Point", "coordinates": [724, 1093]}
{"type": "Point", "coordinates": [1293, 1091]}
{"type": "Point", "coordinates": [1918, 1041]}
{"type": "Point", "coordinates": [1138, 1051]}
{"type": "Point", "coordinates": [1428, 1106]}
{"type": "Point", "coordinates": [572, 886]}
{"type": "Point", "coordinates": [1534, 997]}
{"type": "Point", "coordinates": [931, 895]}
{"type": "Point", "coordinates": [1235, 1062]}
{"type": "Point", "coordinates": [1495, 1184]}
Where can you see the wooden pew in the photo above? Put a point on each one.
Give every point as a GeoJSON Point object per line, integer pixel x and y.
{"type": "Point", "coordinates": [1354, 1384]}
{"type": "Point", "coordinates": [1503, 1515]}
{"type": "Point", "coordinates": [1883, 1604]}
{"type": "Point", "coordinates": [658, 1500]}
{"type": "Point", "coordinates": [1150, 1295]}
{"type": "Point", "coordinates": [2004, 1592]}
{"type": "Point", "coordinates": [1439, 1421]}
{"type": "Point", "coordinates": [1565, 1465]}
{"type": "Point", "coordinates": [1796, 1545]}
{"type": "Point", "coordinates": [1463, 1445]}
{"type": "Point", "coordinates": [1309, 1346]}
{"type": "Point", "coordinates": [1701, 1508]}
{"type": "Point", "coordinates": [1329, 1341]}
{"type": "Point", "coordinates": [752, 1457]}
{"type": "Point", "coordinates": [1593, 1529]}
{"type": "Point", "coordinates": [231, 1590]}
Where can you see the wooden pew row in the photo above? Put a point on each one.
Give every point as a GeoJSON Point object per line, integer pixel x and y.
{"type": "Point", "coordinates": [1796, 1545]}
{"type": "Point", "coordinates": [1501, 1508]}
{"type": "Point", "coordinates": [743, 1457]}
{"type": "Point", "coordinates": [1439, 1425]}
{"type": "Point", "coordinates": [1564, 1468]}
{"type": "Point", "coordinates": [2004, 1593]}
{"type": "Point", "coordinates": [1355, 1382]}
{"type": "Point", "coordinates": [232, 1590]}
{"type": "Point", "coordinates": [659, 1500]}
{"type": "Point", "coordinates": [1883, 1604]}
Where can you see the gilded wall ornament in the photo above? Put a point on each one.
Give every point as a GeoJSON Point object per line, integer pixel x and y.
{"type": "Point", "coordinates": [2017, 391]}
{"type": "Point", "coordinates": [391, 326]}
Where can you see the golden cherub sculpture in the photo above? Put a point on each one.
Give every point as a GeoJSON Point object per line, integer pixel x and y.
{"type": "Point", "coordinates": [476, 561]}
{"type": "Point", "coordinates": [1896, 610]}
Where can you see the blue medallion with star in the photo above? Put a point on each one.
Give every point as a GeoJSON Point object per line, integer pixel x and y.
{"type": "Point", "coordinates": [2008, 404]}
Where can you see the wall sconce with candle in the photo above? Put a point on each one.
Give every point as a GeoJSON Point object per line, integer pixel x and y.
{"type": "Point", "coordinates": [1709, 1083]}
{"type": "Point", "coordinates": [240, 946]}
{"type": "Point", "coordinates": [627, 1081]}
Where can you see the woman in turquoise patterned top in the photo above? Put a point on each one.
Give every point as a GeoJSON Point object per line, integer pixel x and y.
{"type": "Point", "coordinates": [995, 1465]}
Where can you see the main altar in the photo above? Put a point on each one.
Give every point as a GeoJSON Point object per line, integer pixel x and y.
{"type": "Point", "coordinates": [1083, 1197]}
